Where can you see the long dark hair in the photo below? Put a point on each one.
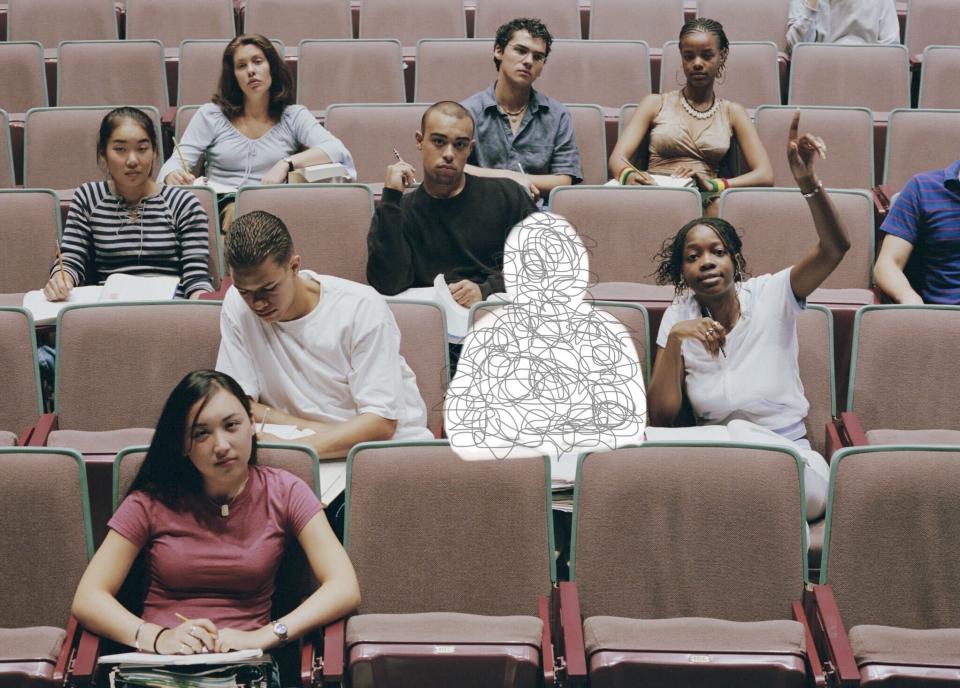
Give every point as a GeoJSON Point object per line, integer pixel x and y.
{"type": "Point", "coordinates": [670, 257]}
{"type": "Point", "coordinates": [229, 96]}
{"type": "Point", "coordinates": [167, 473]}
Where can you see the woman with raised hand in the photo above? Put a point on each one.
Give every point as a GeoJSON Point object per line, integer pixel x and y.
{"type": "Point", "coordinates": [252, 132]}
{"type": "Point", "coordinates": [129, 223]}
{"type": "Point", "coordinates": [212, 526]}
{"type": "Point", "coordinates": [728, 344]}
{"type": "Point", "coordinates": [691, 129]}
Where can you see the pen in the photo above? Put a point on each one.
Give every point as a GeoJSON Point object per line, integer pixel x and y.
{"type": "Point", "coordinates": [399, 159]}
{"type": "Point", "coordinates": [704, 311]}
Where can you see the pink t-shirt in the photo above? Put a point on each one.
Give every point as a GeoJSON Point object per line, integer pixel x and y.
{"type": "Point", "coordinates": [200, 564]}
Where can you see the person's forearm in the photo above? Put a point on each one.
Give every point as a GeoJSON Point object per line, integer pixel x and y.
{"type": "Point", "coordinates": [311, 156]}
{"type": "Point", "coordinates": [761, 176]}
{"type": "Point", "coordinates": [664, 394]}
{"type": "Point", "coordinates": [894, 283]}
{"type": "Point", "coordinates": [332, 600]}
{"type": "Point", "coordinates": [331, 439]}
{"type": "Point", "coordinates": [101, 613]}
{"type": "Point", "coordinates": [834, 242]}
{"type": "Point", "coordinates": [548, 182]}
{"type": "Point", "coordinates": [389, 258]}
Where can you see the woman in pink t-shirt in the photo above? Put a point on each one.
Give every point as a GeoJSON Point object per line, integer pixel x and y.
{"type": "Point", "coordinates": [211, 527]}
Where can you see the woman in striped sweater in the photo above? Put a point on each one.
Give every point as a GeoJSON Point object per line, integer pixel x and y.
{"type": "Point", "coordinates": [129, 223]}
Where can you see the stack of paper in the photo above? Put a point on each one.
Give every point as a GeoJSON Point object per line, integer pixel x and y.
{"type": "Point", "coordinates": [118, 287]}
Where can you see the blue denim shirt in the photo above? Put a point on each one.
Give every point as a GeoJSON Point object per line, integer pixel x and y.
{"type": "Point", "coordinates": [544, 143]}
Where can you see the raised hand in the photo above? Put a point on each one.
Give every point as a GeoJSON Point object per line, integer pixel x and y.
{"type": "Point", "coordinates": [802, 151]}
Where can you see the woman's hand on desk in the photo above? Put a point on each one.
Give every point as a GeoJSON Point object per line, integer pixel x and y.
{"type": "Point", "coordinates": [640, 178]}
{"type": "Point", "coordinates": [191, 637]}
{"type": "Point", "coordinates": [277, 174]}
{"type": "Point", "coordinates": [59, 286]}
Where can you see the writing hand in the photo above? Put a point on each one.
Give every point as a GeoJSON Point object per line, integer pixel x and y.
{"type": "Point", "coordinates": [59, 286]}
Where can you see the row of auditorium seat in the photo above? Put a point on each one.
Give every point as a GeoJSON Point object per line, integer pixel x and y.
{"type": "Point", "coordinates": [377, 71]}
{"type": "Point", "coordinates": [107, 398]}
{"type": "Point", "coordinates": [55, 147]}
{"type": "Point", "coordinates": [665, 537]}
{"type": "Point", "coordinates": [928, 22]}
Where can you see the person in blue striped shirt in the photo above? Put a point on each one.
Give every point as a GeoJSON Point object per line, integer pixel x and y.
{"type": "Point", "coordinates": [919, 259]}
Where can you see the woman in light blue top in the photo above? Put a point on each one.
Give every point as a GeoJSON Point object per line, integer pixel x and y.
{"type": "Point", "coordinates": [252, 133]}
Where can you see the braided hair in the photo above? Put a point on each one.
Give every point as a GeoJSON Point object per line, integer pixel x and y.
{"type": "Point", "coordinates": [670, 268]}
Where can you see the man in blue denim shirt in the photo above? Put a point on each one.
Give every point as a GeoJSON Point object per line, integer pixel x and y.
{"type": "Point", "coordinates": [522, 134]}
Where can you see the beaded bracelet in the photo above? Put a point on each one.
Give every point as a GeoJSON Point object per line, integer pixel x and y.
{"type": "Point", "coordinates": [625, 175]}
{"type": "Point", "coordinates": [718, 184]}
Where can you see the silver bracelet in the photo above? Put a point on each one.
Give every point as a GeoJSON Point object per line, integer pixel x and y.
{"type": "Point", "coordinates": [817, 189]}
{"type": "Point", "coordinates": [136, 636]}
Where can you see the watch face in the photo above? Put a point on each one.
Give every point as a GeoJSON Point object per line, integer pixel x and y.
{"type": "Point", "coordinates": [280, 630]}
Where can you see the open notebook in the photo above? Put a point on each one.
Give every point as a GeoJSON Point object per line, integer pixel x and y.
{"type": "Point", "coordinates": [118, 287]}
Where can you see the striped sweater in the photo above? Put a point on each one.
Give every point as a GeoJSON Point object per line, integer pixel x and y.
{"type": "Point", "coordinates": [165, 235]}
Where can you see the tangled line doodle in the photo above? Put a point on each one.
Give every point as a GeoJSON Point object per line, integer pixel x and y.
{"type": "Point", "coordinates": [547, 373]}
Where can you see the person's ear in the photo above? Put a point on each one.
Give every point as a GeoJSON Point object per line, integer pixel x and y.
{"type": "Point", "coordinates": [419, 137]}
{"type": "Point", "coordinates": [295, 262]}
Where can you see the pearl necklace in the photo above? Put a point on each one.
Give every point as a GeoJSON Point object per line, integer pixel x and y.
{"type": "Point", "coordinates": [698, 114]}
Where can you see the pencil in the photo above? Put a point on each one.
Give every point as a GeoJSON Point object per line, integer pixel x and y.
{"type": "Point", "coordinates": [180, 616]}
{"type": "Point", "coordinates": [183, 163]}
{"type": "Point", "coordinates": [630, 165]}
{"type": "Point", "coordinates": [60, 260]}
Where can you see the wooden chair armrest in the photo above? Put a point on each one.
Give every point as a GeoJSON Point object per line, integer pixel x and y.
{"type": "Point", "coordinates": [219, 293]}
{"type": "Point", "coordinates": [546, 642]}
{"type": "Point", "coordinates": [80, 666]}
{"type": "Point", "coordinates": [881, 201]}
{"type": "Point", "coordinates": [571, 628]}
{"type": "Point", "coordinates": [168, 118]}
{"type": "Point", "coordinates": [833, 442]}
{"type": "Point", "coordinates": [23, 439]}
{"type": "Point", "coordinates": [829, 635]}
{"type": "Point", "coordinates": [813, 657]}
{"type": "Point", "coordinates": [853, 430]}
{"type": "Point", "coordinates": [334, 646]}
{"type": "Point", "coordinates": [41, 431]}
{"type": "Point", "coordinates": [311, 646]}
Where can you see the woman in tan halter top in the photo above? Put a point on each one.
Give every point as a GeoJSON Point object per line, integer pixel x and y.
{"type": "Point", "coordinates": [691, 129]}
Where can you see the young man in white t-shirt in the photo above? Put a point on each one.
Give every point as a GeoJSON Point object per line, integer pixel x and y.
{"type": "Point", "coordinates": [314, 351]}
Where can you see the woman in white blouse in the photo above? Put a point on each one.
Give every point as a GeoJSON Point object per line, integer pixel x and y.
{"type": "Point", "coordinates": [252, 133]}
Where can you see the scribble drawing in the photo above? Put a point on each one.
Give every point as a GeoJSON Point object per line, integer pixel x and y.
{"type": "Point", "coordinates": [547, 373]}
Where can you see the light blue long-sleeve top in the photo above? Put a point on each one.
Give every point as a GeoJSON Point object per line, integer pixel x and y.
{"type": "Point", "coordinates": [235, 160]}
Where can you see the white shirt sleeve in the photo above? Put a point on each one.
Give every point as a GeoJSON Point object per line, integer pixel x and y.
{"type": "Point", "coordinates": [308, 132]}
{"type": "Point", "coordinates": [802, 23]}
{"type": "Point", "coordinates": [670, 318]}
{"type": "Point", "coordinates": [233, 358]}
{"type": "Point", "coordinates": [889, 31]}
{"type": "Point", "coordinates": [375, 376]}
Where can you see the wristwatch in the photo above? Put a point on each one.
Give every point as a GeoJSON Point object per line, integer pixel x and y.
{"type": "Point", "coordinates": [280, 630]}
{"type": "Point", "coordinates": [289, 162]}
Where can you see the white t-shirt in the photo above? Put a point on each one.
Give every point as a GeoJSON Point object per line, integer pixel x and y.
{"type": "Point", "coordinates": [338, 361]}
{"type": "Point", "coordinates": [759, 378]}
